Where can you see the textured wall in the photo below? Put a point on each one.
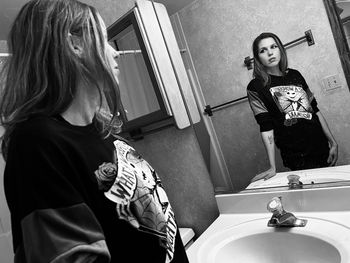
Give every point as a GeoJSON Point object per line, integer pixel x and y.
{"type": "Point", "coordinates": [3, 46]}
{"type": "Point", "coordinates": [220, 34]}
{"type": "Point", "coordinates": [175, 154]}
{"type": "Point", "coordinates": [5, 225]}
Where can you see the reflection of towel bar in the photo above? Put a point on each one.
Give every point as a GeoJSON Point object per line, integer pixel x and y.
{"type": "Point", "coordinates": [209, 110]}
{"type": "Point", "coordinates": [127, 52]}
{"type": "Point", "coordinates": [308, 37]}
{"type": "Point", "coordinates": [137, 51]}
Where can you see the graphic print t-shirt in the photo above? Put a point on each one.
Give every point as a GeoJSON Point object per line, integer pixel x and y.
{"type": "Point", "coordinates": [287, 98]}
{"type": "Point", "coordinates": [293, 101]}
{"type": "Point", "coordinates": [139, 196]}
{"type": "Point", "coordinates": [288, 107]}
{"type": "Point", "coordinates": [56, 202]}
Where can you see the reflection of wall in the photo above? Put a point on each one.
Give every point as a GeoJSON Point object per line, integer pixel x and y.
{"type": "Point", "coordinates": [219, 36]}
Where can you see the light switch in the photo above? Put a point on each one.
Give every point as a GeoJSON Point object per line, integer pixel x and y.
{"type": "Point", "coordinates": [332, 82]}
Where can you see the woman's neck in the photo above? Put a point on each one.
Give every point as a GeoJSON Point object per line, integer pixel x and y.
{"type": "Point", "coordinates": [274, 71]}
{"type": "Point", "coordinates": [83, 107]}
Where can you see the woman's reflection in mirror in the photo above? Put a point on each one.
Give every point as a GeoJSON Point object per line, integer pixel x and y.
{"type": "Point", "coordinates": [287, 112]}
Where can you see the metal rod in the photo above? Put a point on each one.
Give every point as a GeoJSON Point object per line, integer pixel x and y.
{"type": "Point", "coordinates": [126, 52]}
{"type": "Point", "coordinates": [229, 102]}
{"type": "Point", "coordinates": [137, 51]}
{"type": "Point", "coordinates": [294, 41]}
{"type": "Point", "coordinates": [209, 110]}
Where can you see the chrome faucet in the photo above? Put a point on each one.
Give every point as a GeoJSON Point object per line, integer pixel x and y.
{"type": "Point", "coordinates": [293, 181]}
{"type": "Point", "coordinates": [280, 217]}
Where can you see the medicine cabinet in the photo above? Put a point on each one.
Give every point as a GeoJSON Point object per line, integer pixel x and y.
{"type": "Point", "coordinates": [153, 82]}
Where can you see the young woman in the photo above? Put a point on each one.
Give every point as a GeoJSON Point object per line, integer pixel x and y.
{"type": "Point", "coordinates": [76, 191]}
{"type": "Point", "coordinates": [287, 111]}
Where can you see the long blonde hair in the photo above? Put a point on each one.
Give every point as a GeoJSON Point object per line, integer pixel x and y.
{"type": "Point", "coordinates": [42, 74]}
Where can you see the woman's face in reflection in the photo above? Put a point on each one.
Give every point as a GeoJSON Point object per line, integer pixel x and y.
{"type": "Point", "coordinates": [269, 53]}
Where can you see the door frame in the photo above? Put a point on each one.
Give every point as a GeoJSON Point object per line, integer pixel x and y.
{"type": "Point", "coordinates": [339, 37]}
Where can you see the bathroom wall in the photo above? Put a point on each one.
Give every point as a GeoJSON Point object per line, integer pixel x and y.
{"type": "Point", "coordinates": [3, 46]}
{"type": "Point", "coordinates": [5, 225]}
{"type": "Point", "coordinates": [219, 35]}
{"type": "Point", "coordinates": [176, 156]}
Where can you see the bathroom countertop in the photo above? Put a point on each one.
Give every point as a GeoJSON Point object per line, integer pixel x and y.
{"type": "Point", "coordinates": [311, 178]}
{"type": "Point", "coordinates": [186, 234]}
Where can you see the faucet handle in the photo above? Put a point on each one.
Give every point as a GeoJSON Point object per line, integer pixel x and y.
{"type": "Point", "coordinates": [293, 181]}
{"type": "Point", "coordinates": [275, 205]}
{"type": "Point", "coordinates": [280, 217]}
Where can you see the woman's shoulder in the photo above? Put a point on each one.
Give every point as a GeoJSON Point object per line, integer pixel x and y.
{"type": "Point", "coordinates": [34, 133]}
{"type": "Point", "coordinates": [292, 71]}
{"type": "Point", "coordinates": [254, 84]}
{"type": "Point", "coordinates": [36, 128]}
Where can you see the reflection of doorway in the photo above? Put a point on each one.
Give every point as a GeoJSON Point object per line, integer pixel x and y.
{"type": "Point", "coordinates": [346, 27]}
{"type": "Point", "coordinates": [343, 11]}
{"type": "Point", "coordinates": [338, 12]}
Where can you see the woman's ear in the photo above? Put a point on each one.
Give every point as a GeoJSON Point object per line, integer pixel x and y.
{"type": "Point", "coordinates": [75, 44]}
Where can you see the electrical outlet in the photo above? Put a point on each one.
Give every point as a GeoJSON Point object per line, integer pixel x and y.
{"type": "Point", "coordinates": [332, 82]}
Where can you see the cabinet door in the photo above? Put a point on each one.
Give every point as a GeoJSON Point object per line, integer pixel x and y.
{"type": "Point", "coordinates": [150, 83]}
{"type": "Point", "coordinates": [139, 82]}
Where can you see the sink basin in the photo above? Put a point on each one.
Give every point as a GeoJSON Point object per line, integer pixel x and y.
{"type": "Point", "coordinates": [319, 241]}
{"type": "Point", "coordinates": [278, 247]}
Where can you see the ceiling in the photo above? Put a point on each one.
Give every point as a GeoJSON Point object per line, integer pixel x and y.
{"type": "Point", "coordinates": [9, 9]}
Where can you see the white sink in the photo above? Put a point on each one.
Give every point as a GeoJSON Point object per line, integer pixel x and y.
{"type": "Point", "coordinates": [251, 241]}
{"type": "Point", "coordinates": [240, 233]}
{"type": "Point", "coordinates": [278, 247]}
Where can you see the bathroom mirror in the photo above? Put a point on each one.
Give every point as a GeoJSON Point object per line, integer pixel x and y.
{"type": "Point", "coordinates": [219, 35]}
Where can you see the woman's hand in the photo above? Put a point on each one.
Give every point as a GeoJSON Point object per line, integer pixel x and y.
{"type": "Point", "coordinates": [333, 151]}
{"type": "Point", "coordinates": [265, 175]}
{"type": "Point", "coordinates": [333, 155]}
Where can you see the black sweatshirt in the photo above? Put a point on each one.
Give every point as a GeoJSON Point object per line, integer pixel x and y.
{"type": "Point", "coordinates": [57, 209]}
{"type": "Point", "coordinates": [287, 106]}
